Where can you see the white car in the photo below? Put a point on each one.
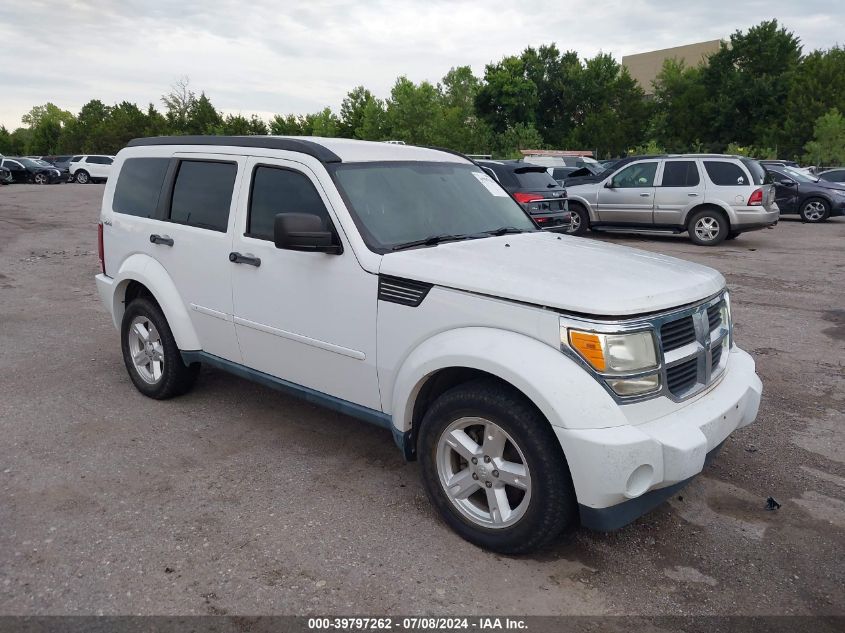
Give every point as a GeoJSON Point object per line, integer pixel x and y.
{"type": "Point", "coordinates": [87, 168]}
{"type": "Point", "coordinates": [540, 379]}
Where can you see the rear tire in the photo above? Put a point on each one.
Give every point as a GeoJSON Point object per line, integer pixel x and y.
{"type": "Point", "coordinates": [580, 220]}
{"type": "Point", "coordinates": [814, 210]}
{"type": "Point", "coordinates": [150, 352]}
{"type": "Point", "coordinates": [519, 499]}
{"type": "Point", "coordinates": [708, 227]}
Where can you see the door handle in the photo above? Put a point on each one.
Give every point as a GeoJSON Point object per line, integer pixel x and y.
{"type": "Point", "coordinates": [644, 195]}
{"type": "Point", "coordinates": [692, 195]}
{"type": "Point", "coordinates": [237, 258]}
{"type": "Point", "coordinates": [161, 239]}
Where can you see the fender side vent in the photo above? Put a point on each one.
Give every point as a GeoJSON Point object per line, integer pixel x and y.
{"type": "Point", "coordinates": [402, 291]}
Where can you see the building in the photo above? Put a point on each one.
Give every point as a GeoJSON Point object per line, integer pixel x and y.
{"type": "Point", "coordinates": [644, 67]}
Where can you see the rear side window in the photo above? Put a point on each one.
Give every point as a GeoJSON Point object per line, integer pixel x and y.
{"type": "Point", "coordinates": [76, 159]}
{"type": "Point", "coordinates": [726, 174]}
{"type": "Point", "coordinates": [680, 173]}
{"type": "Point", "coordinates": [138, 186]}
{"type": "Point", "coordinates": [99, 160]}
{"type": "Point", "coordinates": [202, 194]}
{"type": "Point", "coordinates": [758, 174]}
{"type": "Point", "coordinates": [275, 191]}
{"type": "Point", "coordinates": [535, 179]}
{"type": "Point", "coordinates": [559, 173]}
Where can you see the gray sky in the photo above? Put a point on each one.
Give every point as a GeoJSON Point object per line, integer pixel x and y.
{"type": "Point", "coordinates": [267, 57]}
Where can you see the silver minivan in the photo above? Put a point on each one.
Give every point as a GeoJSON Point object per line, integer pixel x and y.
{"type": "Point", "coordinates": [714, 197]}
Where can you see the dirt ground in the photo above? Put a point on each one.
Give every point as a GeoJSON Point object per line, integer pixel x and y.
{"type": "Point", "coordinates": [237, 499]}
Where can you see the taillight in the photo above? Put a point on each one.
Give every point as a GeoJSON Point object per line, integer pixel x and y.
{"type": "Point", "coordinates": [100, 250]}
{"type": "Point", "coordinates": [756, 198]}
{"type": "Point", "coordinates": [525, 198]}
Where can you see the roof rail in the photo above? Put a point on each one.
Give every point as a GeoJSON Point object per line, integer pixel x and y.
{"type": "Point", "coordinates": [303, 146]}
{"type": "Point", "coordinates": [450, 151]}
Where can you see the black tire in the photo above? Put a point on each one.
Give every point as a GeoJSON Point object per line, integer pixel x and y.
{"type": "Point", "coordinates": [732, 235]}
{"type": "Point", "coordinates": [176, 377]}
{"type": "Point", "coordinates": [552, 506]}
{"type": "Point", "coordinates": [41, 179]}
{"type": "Point", "coordinates": [814, 210]}
{"type": "Point", "coordinates": [719, 230]}
{"type": "Point", "coordinates": [82, 177]}
{"type": "Point", "coordinates": [582, 223]}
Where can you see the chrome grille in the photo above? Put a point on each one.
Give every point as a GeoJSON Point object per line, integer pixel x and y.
{"type": "Point", "coordinates": [677, 333]}
{"type": "Point", "coordinates": [682, 376]}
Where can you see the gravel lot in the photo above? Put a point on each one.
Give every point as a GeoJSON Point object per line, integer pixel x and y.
{"type": "Point", "coordinates": [238, 499]}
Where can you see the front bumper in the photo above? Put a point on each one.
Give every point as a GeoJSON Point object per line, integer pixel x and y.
{"type": "Point", "coordinates": [622, 472]}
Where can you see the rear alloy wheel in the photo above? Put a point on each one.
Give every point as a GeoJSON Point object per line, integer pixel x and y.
{"type": "Point", "coordinates": [82, 177]}
{"type": "Point", "coordinates": [815, 210]}
{"type": "Point", "coordinates": [708, 228]}
{"type": "Point", "coordinates": [41, 179]}
{"type": "Point", "coordinates": [579, 222]}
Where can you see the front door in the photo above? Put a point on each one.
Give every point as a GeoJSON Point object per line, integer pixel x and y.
{"type": "Point", "coordinates": [307, 318]}
{"type": "Point", "coordinates": [786, 192]}
{"type": "Point", "coordinates": [627, 197]}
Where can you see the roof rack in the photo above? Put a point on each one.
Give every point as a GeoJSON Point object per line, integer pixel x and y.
{"type": "Point", "coordinates": [323, 154]}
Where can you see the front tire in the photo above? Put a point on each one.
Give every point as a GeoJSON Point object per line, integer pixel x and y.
{"type": "Point", "coordinates": [708, 227]}
{"type": "Point", "coordinates": [494, 470]}
{"type": "Point", "coordinates": [814, 210]}
{"type": "Point", "coordinates": [580, 220]}
{"type": "Point", "coordinates": [41, 179]}
{"type": "Point", "coordinates": [82, 177]}
{"type": "Point", "coordinates": [150, 352]}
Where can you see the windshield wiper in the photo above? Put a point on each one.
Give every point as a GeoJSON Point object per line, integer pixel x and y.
{"type": "Point", "coordinates": [504, 231]}
{"type": "Point", "coordinates": [431, 240]}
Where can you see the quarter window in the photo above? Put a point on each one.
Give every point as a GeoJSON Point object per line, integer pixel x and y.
{"type": "Point", "coordinates": [202, 194]}
{"type": "Point", "coordinates": [99, 160]}
{"type": "Point", "coordinates": [725, 174]}
{"type": "Point", "coordinates": [636, 175]}
{"type": "Point", "coordinates": [138, 186]}
{"type": "Point", "coordinates": [276, 191]}
{"type": "Point", "coordinates": [680, 173]}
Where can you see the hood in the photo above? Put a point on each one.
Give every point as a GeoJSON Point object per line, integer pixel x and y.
{"type": "Point", "coordinates": [568, 273]}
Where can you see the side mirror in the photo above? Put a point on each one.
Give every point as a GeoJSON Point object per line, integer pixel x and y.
{"type": "Point", "coordinates": [787, 182]}
{"type": "Point", "coordinates": [303, 232]}
{"type": "Point", "coordinates": [609, 185]}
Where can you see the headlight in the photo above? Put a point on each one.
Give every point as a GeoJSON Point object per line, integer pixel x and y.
{"type": "Point", "coordinates": [624, 360]}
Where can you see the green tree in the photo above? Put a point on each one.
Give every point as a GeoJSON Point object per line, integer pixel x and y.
{"type": "Point", "coordinates": [156, 123]}
{"type": "Point", "coordinates": [414, 112]}
{"type": "Point", "coordinates": [358, 104]}
{"type": "Point", "coordinates": [460, 129]}
{"type": "Point", "coordinates": [507, 97]}
{"type": "Point", "coordinates": [202, 117]}
{"type": "Point", "coordinates": [45, 123]}
{"type": "Point", "coordinates": [178, 104]}
{"type": "Point", "coordinates": [290, 125]}
{"type": "Point", "coordinates": [818, 84]}
{"type": "Point", "coordinates": [515, 138]}
{"type": "Point", "coordinates": [828, 144]}
{"type": "Point", "coordinates": [323, 123]}
{"type": "Point", "coordinates": [679, 103]}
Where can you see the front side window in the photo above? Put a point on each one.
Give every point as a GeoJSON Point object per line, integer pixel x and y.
{"type": "Point", "coordinates": [725, 174]}
{"type": "Point", "coordinates": [138, 186]}
{"type": "Point", "coordinates": [394, 203]}
{"type": "Point", "coordinates": [275, 191]}
{"type": "Point", "coordinates": [202, 194]}
{"type": "Point", "coordinates": [636, 175]}
{"type": "Point", "coordinates": [680, 173]}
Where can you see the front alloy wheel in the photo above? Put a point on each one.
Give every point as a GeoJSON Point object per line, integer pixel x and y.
{"type": "Point", "coordinates": [814, 210]}
{"type": "Point", "coordinates": [483, 472]}
{"type": "Point", "coordinates": [41, 179]}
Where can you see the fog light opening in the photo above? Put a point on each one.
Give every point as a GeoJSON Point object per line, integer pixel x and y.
{"type": "Point", "coordinates": [639, 481]}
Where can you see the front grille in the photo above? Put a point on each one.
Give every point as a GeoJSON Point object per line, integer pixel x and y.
{"type": "Point", "coordinates": [682, 376]}
{"type": "Point", "coordinates": [677, 333]}
{"type": "Point", "coordinates": [714, 316]}
{"type": "Point", "coordinates": [715, 356]}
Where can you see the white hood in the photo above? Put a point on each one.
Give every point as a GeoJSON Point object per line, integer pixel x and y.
{"type": "Point", "coordinates": [559, 271]}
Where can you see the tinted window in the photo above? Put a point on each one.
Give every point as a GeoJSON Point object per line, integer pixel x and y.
{"type": "Point", "coordinates": [680, 173]}
{"type": "Point", "coordinates": [837, 175]}
{"type": "Point", "coordinates": [535, 179]}
{"type": "Point", "coordinates": [202, 194]}
{"type": "Point", "coordinates": [559, 173]}
{"type": "Point", "coordinates": [277, 191]}
{"type": "Point", "coordinates": [758, 174]}
{"type": "Point", "coordinates": [726, 174]}
{"type": "Point", "coordinates": [138, 186]}
{"type": "Point", "coordinates": [636, 175]}
{"type": "Point", "coordinates": [99, 160]}
{"type": "Point", "coordinates": [76, 159]}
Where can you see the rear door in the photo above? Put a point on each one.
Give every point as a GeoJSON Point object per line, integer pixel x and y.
{"type": "Point", "coordinates": [680, 188]}
{"type": "Point", "coordinates": [98, 166]}
{"type": "Point", "coordinates": [627, 197]}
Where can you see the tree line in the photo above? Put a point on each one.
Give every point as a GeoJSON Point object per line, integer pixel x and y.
{"type": "Point", "coordinates": [759, 95]}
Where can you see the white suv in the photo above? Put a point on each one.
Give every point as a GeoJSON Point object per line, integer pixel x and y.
{"type": "Point", "coordinates": [541, 379]}
{"type": "Point", "coordinates": [89, 168]}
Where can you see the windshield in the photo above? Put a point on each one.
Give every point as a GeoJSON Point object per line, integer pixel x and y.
{"type": "Point", "coordinates": [799, 176]}
{"type": "Point", "coordinates": [394, 203]}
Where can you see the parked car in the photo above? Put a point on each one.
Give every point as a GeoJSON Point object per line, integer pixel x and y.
{"type": "Point", "coordinates": [540, 379]}
{"type": "Point", "coordinates": [62, 163]}
{"type": "Point", "coordinates": [560, 161]}
{"type": "Point", "coordinates": [836, 175]}
{"type": "Point", "coordinates": [533, 188]}
{"type": "Point", "coordinates": [90, 168]}
{"type": "Point", "coordinates": [813, 199]}
{"type": "Point", "coordinates": [712, 197]}
{"type": "Point", "coordinates": [28, 170]}
{"type": "Point", "coordinates": [807, 171]}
